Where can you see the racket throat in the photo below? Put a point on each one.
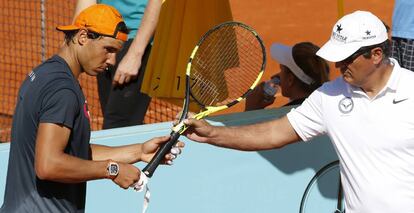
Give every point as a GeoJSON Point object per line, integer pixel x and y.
{"type": "Point", "coordinates": [209, 110]}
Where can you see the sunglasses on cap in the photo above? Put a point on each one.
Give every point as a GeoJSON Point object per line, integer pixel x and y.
{"type": "Point", "coordinates": [361, 51]}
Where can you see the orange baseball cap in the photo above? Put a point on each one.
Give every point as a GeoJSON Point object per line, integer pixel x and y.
{"type": "Point", "coordinates": [99, 18]}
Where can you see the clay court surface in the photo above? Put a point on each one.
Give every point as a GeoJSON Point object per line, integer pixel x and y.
{"type": "Point", "coordinates": [281, 21]}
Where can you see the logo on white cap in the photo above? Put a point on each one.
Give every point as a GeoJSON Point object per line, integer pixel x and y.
{"type": "Point", "coordinates": [337, 34]}
{"type": "Point", "coordinates": [350, 33]}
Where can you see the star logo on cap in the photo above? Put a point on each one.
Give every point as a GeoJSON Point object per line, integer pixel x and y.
{"type": "Point", "coordinates": [339, 28]}
{"type": "Point", "coordinates": [368, 32]}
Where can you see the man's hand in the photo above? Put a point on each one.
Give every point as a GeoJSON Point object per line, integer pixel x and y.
{"type": "Point", "coordinates": [257, 100]}
{"type": "Point", "coordinates": [127, 176]}
{"type": "Point", "coordinates": [150, 147]}
{"type": "Point", "coordinates": [127, 69]}
{"type": "Point", "coordinates": [198, 130]}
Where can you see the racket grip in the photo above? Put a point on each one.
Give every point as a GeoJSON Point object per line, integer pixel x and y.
{"type": "Point", "coordinates": [159, 156]}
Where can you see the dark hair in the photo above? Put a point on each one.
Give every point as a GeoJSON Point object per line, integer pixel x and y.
{"type": "Point", "coordinates": [69, 35]}
{"type": "Point", "coordinates": [385, 46]}
{"type": "Point", "coordinates": [366, 52]}
{"type": "Point", "coordinates": [317, 68]}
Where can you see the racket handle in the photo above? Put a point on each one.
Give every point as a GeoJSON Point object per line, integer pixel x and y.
{"type": "Point", "coordinates": [159, 156]}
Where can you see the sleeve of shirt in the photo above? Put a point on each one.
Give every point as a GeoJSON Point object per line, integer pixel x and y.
{"type": "Point", "coordinates": [307, 119]}
{"type": "Point", "coordinates": [60, 107]}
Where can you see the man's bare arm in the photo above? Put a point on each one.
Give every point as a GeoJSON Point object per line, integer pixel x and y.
{"type": "Point", "coordinates": [81, 5]}
{"type": "Point", "coordinates": [52, 163]}
{"type": "Point", "coordinates": [261, 136]}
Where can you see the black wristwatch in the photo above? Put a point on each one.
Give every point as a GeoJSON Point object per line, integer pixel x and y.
{"type": "Point", "coordinates": [112, 169]}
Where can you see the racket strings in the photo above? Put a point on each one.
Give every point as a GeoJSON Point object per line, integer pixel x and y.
{"type": "Point", "coordinates": [219, 39]}
{"type": "Point", "coordinates": [206, 88]}
{"type": "Point", "coordinates": [226, 65]}
{"type": "Point", "coordinates": [209, 58]}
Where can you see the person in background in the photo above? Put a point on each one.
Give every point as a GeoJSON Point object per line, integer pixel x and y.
{"type": "Point", "coordinates": [367, 114]}
{"type": "Point", "coordinates": [119, 87]}
{"type": "Point", "coordinates": [51, 157]}
{"type": "Point", "coordinates": [301, 72]}
{"type": "Point", "coordinates": [181, 25]}
{"type": "Point", "coordinates": [403, 33]}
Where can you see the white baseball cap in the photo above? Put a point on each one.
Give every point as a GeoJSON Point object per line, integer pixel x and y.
{"type": "Point", "coordinates": [351, 32]}
{"type": "Point", "coordinates": [283, 54]}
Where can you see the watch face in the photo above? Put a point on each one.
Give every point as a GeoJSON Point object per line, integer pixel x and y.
{"type": "Point", "coordinates": [113, 169]}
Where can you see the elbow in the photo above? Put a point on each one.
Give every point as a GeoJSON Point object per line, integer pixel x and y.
{"type": "Point", "coordinates": [44, 171]}
{"type": "Point", "coordinates": [278, 146]}
{"type": "Point", "coordinates": [274, 145]}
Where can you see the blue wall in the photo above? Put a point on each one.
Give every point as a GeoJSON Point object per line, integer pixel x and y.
{"type": "Point", "coordinates": [210, 179]}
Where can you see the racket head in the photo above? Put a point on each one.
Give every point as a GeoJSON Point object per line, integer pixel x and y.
{"type": "Point", "coordinates": [226, 64]}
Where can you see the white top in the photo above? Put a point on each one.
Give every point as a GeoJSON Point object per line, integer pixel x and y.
{"type": "Point", "coordinates": [374, 140]}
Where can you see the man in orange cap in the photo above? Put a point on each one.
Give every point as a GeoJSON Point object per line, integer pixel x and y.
{"type": "Point", "coordinates": [50, 155]}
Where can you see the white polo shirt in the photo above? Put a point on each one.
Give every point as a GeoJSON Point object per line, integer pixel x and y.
{"type": "Point", "coordinates": [374, 140]}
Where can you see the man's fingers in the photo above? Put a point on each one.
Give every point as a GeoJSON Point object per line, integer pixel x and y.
{"type": "Point", "coordinates": [175, 150]}
{"type": "Point", "coordinates": [127, 79]}
{"type": "Point", "coordinates": [180, 144]}
{"type": "Point", "coordinates": [187, 122]}
{"type": "Point", "coordinates": [171, 157]}
{"type": "Point", "coordinates": [163, 139]}
{"type": "Point", "coordinates": [121, 79]}
{"type": "Point", "coordinates": [116, 78]}
{"type": "Point", "coordinates": [190, 122]}
{"type": "Point", "coordinates": [190, 114]}
{"type": "Point", "coordinates": [160, 140]}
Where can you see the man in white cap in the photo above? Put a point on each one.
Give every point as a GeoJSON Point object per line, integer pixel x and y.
{"type": "Point", "coordinates": [367, 113]}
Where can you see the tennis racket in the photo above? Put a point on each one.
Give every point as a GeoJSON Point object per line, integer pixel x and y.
{"type": "Point", "coordinates": [225, 65]}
